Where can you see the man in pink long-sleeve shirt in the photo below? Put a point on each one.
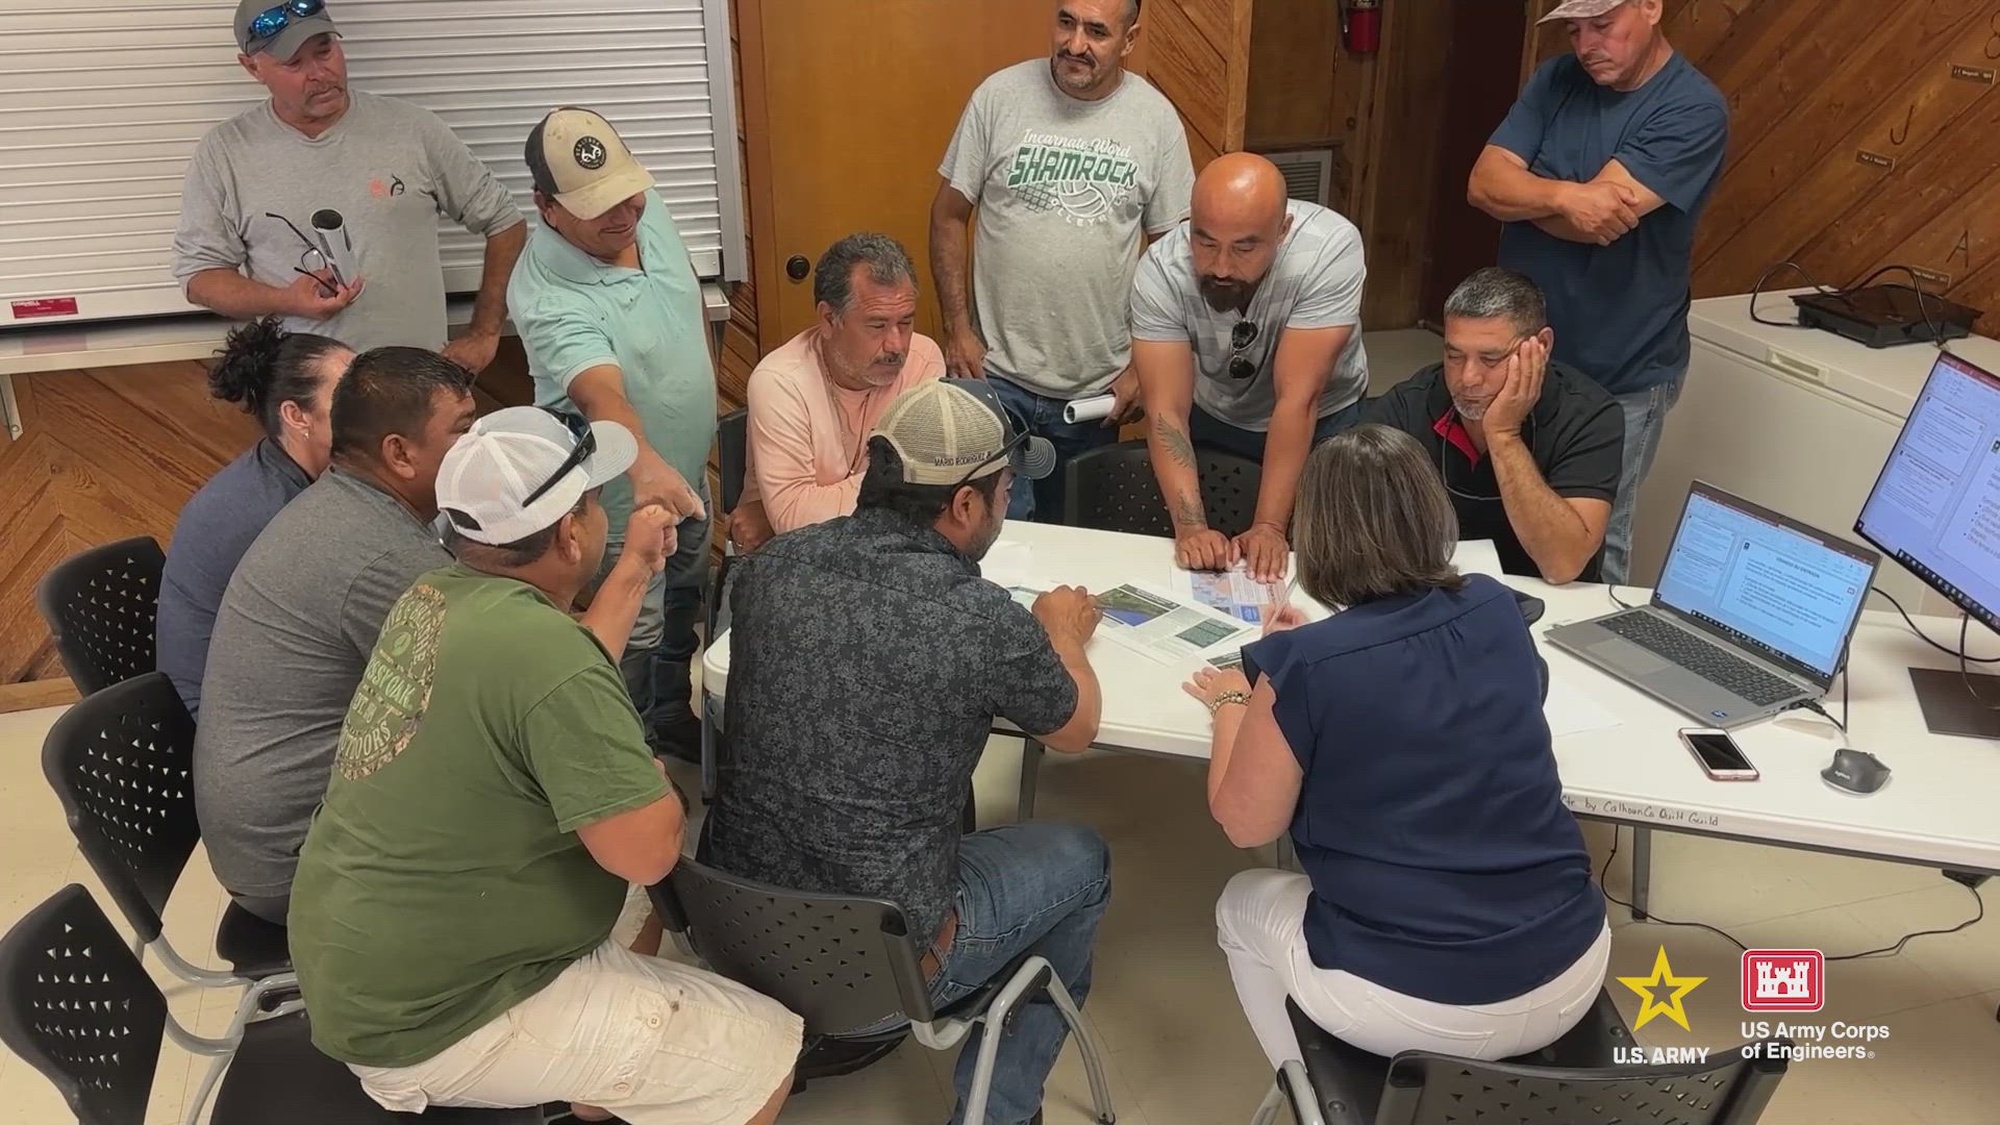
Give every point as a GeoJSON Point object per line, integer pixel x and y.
{"type": "Point", "coordinates": [815, 399]}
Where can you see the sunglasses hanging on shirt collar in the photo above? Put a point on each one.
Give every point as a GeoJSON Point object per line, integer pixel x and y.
{"type": "Point", "coordinates": [1241, 336]}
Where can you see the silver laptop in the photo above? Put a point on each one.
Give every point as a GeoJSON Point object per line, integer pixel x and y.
{"type": "Point", "coordinates": [1752, 615]}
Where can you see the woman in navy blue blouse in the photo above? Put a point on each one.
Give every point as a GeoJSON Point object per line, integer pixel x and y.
{"type": "Point", "coordinates": [1446, 902]}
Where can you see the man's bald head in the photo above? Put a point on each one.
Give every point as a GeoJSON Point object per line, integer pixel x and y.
{"type": "Point", "coordinates": [1237, 222]}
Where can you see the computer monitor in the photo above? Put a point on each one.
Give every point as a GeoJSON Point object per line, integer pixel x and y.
{"type": "Point", "coordinates": [1936, 510]}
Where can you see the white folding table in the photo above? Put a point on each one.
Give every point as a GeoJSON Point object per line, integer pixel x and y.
{"type": "Point", "coordinates": [1936, 811]}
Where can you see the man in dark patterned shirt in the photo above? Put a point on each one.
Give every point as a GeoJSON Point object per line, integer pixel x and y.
{"type": "Point", "coordinates": [868, 663]}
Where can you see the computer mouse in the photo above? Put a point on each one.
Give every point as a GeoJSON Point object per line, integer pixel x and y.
{"type": "Point", "coordinates": [1855, 771]}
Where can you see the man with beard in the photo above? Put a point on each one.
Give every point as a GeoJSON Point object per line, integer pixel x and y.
{"type": "Point", "coordinates": [815, 399]}
{"type": "Point", "coordinates": [246, 248]}
{"type": "Point", "coordinates": [1600, 173]}
{"type": "Point", "coordinates": [1529, 450]}
{"type": "Point", "coordinates": [868, 661]}
{"type": "Point", "coordinates": [1246, 334]}
{"type": "Point", "coordinates": [1069, 160]}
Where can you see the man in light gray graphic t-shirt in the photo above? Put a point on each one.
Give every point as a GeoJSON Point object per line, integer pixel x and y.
{"type": "Point", "coordinates": [1246, 330]}
{"type": "Point", "coordinates": [1071, 164]}
{"type": "Point", "coordinates": [388, 168]}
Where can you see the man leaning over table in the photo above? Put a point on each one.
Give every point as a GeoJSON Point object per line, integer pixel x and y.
{"type": "Point", "coordinates": [1528, 448]}
{"type": "Point", "coordinates": [868, 662]}
{"type": "Point", "coordinates": [610, 312]}
{"type": "Point", "coordinates": [1246, 334]}
{"type": "Point", "coordinates": [388, 168]}
{"type": "Point", "coordinates": [814, 401]}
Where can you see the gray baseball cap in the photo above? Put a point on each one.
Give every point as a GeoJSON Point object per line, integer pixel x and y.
{"type": "Point", "coordinates": [1580, 10]}
{"type": "Point", "coordinates": [952, 431]}
{"type": "Point", "coordinates": [280, 27]}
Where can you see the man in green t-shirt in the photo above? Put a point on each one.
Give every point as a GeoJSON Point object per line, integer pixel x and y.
{"type": "Point", "coordinates": [492, 798]}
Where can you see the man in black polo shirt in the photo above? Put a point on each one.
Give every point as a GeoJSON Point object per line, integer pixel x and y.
{"type": "Point", "coordinates": [868, 660]}
{"type": "Point", "coordinates": [1530, 451]}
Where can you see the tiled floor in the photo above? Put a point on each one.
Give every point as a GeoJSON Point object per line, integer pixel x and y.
{"type": "Point", "coordinates": [1179, 1051]}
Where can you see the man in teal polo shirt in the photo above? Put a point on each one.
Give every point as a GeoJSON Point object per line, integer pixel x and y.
{"type": "Point", "coordinates": [610, 311]}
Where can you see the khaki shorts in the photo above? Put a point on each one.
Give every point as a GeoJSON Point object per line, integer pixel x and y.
{"type": "Point", "coordinates": [653, 1041]}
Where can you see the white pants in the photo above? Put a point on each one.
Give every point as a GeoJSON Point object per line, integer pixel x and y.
{"type": "Point", "coordinates": [1260, 923]}
{"type": "Point", "coordinates": [656, 1042]}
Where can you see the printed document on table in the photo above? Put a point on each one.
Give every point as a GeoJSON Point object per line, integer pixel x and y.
{"type": "Point", "coordinates": [1159, 626]}
{"type": "Point", "coordinates": [1232, 591]}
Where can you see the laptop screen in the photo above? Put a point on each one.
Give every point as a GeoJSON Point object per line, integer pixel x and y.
{"type": "Point", "coordinates": [1785, 591]}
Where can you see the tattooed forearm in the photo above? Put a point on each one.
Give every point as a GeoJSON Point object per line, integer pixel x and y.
{"type": "Point", "coordinates": [1188, 513]}
{"type": "Point", "coordinates": [1176, 441]}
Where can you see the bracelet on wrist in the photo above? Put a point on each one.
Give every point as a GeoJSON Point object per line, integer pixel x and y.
{"type": "Point", "coordinates": [1240, 698]}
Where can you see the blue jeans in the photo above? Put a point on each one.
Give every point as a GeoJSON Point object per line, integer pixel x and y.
{"type": "Point", "coordinates": [1645, 419]}
{"type": "Point", "coordinates": [1207, 429]}
{"type": "Point", "coordinates": [1044, 415]}
{"type": "Point", "coordinates": [663, 641]}
{"type": "Point", "coordinates": [1024, 888]}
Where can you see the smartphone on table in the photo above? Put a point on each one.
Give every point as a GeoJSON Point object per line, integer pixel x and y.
{"type": "Point", "coordinates": [1720, 758]}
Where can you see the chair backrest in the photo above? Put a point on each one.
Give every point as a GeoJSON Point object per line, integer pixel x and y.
{"type": "Point", "coordinates": [732, 455]}
{"type": "Point", "coordinates": [1732, 1088]}
{"type": "Point", "coordinates": [1112, 488]}
{"type": "Point", "coordinates": [76, 1005]}
{"type": "Point", "coordinates": [99, 605]}
{"type": "Point", "coordinates": [121, 762]}
{"type": "Point", "coordinates": [839, 961]}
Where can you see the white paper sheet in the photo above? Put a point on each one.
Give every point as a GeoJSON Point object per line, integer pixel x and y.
{"type": "Point", "coordinates": [1231, 591]}
{"type": "Point", "coordinates": [1007, 563]}
{"type": "Point", "coordinates": [1154, 624]}
{"type": "Point", "coordinates": [1571, 710]}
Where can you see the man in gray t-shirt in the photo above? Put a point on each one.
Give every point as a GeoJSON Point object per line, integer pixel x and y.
{"type": "Point", "coordinates": [1246, 329]}
{"type": "Point", "coordinates": [1068, 160]}
{"type": "Point", "coordinates": [302, 612]}
{"type": "Point", "coordinates": [245, 243]}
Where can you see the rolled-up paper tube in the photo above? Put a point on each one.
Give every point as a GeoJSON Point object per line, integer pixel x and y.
{"type": "Point", "coordinates": [335, 244]}
{"type": "Point", "coordinates": [1089, 409]}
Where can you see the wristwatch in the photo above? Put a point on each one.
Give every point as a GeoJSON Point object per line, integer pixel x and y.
{"type": "Point", "coordinates": [1230, 696]}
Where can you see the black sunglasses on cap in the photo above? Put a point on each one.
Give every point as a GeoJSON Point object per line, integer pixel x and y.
{"type": "Point", "coordinates": [586, 444]}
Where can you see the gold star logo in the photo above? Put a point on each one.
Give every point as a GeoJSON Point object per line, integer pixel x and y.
{"type": "Point", "coordinates": [1661, 993]}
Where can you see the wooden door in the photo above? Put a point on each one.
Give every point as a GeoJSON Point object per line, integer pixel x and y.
{"type": "Point", "coordinates": [1481, 82]}
{"type": "Point", "coordinates": [848, 106]}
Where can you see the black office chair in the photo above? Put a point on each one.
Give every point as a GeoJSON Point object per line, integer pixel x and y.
{"type": "Point", "coordinates": [99, 605]}
{"type": "Point", "coordinates": [842, 962]}
{"type": "Point", "coordinates": [1112, 488]}
{"type": "Point", "coordinates": [121, 763]}
{"type": "Point", "coordinates": [1572, 1081]}
{"type": "Point", "coordinates": [76, 1005]}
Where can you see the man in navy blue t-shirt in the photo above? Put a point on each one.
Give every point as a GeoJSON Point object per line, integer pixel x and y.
{"type": "Point", "coordinates": [1599, 173]}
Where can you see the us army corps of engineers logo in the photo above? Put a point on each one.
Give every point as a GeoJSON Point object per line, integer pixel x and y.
{"type": "Point", "coordinates": [396, 689]}
{"type": "Point", "coordinates": [1086, 180]}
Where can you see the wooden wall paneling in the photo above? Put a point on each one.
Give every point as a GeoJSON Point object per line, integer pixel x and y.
{"type": "Point", "coordinates": [1398, 183]}
{"type": "Point", "coordinates": [1198, 54]}
{"type": "Point", "coordinates": [1295, 52]}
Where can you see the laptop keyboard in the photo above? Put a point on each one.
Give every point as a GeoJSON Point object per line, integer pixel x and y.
{"type": "Point", "coordinates": [1704, 658]}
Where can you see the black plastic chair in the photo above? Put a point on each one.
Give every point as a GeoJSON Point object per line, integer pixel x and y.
{"type": "Point", "coordinates": [121, 762]}
{"type": "Point", "coordinates": [1112, 488]}
{"type": "Point", "coordinates": [99, 605]}
{"type": "Point", "coordinates": [1573, 1081]}
{"type": "Point", "coordinates": [76, 1005]}
{"type": "Point", "coordinates": [842, 962]}
{"type": "Point", "coordinates": [732, 454]}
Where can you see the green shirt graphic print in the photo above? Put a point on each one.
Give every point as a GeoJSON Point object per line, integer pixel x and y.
{"type": "Point", "coordinates": [443, 882]}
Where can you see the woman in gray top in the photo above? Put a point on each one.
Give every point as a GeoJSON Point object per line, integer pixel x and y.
{"type": "Point", "coordinates": [286, 380]}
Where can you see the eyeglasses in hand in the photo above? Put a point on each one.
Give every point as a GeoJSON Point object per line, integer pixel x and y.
{"type": "Point", "coordinates": [312, 261]}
